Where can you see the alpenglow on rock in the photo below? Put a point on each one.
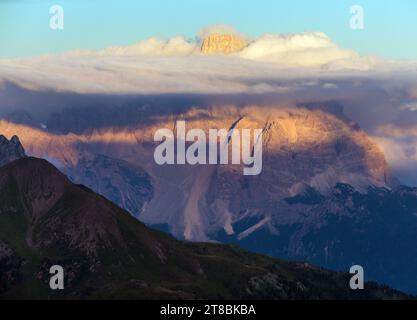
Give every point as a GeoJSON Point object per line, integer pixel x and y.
{"type": "Point", "coordinates": [10, 150]}
{"type": "Point", "coordinates": [222, 44]}
{"type": "Point", "coordinates": [310, 146]}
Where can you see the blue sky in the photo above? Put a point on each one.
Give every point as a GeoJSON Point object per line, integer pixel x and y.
{"type": "Point", "coordinates": [390, 26]}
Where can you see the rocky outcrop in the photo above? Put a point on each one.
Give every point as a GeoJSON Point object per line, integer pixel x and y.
{"type": "Point", "coordinates": [222, 44]}
{"type": "Point", "coordinates": [10, 150]}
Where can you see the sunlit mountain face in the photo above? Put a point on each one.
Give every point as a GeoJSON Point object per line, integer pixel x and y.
{"type": "Point", "coordinates": [336, 187]}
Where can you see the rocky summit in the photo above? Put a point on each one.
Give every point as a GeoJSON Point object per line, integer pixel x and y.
{"type": "Point", "coordinates": [222, 44]}
{"type": "Point", "coordinates": [10, 150]}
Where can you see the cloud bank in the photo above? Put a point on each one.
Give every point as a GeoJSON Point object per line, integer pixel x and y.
{"type": "Point", "coordinates": [380, 95]}
{"type": "Point", "coordinates": [176, 65]}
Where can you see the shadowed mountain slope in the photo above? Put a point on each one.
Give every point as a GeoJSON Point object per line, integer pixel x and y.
{"type": "Point", "coordinates": [106, 253]}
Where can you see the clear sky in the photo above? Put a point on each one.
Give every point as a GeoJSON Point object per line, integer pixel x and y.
{"type": "Point", "coordinates": [390, 25]}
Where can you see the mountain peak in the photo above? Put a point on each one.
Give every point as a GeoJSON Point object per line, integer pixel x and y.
{"type": "Point", "coordinates": [217, 43]}
{"type": "Point", "coordinates": [10, 150]}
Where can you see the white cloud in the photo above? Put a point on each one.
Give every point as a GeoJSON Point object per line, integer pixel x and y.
{"type": "Point", "coordinates": [310, 49]}
{"type": "Point", "coordinates": [273, 63]}
{"type": "Point", "coordinates": [177, 46]}
{"type": "Point", "coordinates": [177, 66]}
